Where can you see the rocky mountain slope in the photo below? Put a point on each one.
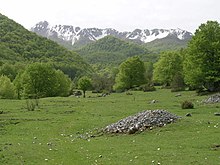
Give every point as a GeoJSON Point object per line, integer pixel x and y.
{"type": "Point", "coordinates": [74, 37]}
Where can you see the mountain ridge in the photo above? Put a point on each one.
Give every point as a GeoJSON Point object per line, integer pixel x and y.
{"type": "Point", "coordinates": [71, 36]}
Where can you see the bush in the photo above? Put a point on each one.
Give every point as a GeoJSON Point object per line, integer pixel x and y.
{"type": "Point", "coordinates": [187, 105]}
{"type": "Point", "coordinates": [31, 104]}
{"type": "Point", "coordinates": [147, 88]}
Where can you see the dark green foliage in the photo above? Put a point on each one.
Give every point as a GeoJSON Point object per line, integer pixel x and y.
{"type": "Point", "coordinates": [131, 74]}
{"type": "Point", "coordinates": [202, 61]}
{"type": "Point", "coordinates": [148, 88]}
{"type": "Point", "coordinates": [101, 83]}
{"type": "Point", "coordinates": [166, 44]}
{"type": "Point", "coordinates": [177, 83]}
{"type": "Point", "coordinates": [187, 105]}
{"type": "Point", "coordinates": [19, 44]}
{"type": "Point", "coordinates": [111, 50]}
{"type": "Point", "coordinates": [149, 71]}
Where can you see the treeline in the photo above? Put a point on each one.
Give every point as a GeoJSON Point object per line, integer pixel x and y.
{"type": "Point", "coordinates": [37, 80]}
{"type": "Point", "coordinates": [33, 66]}
{"type": "Point", "coordinates": [196, 67]}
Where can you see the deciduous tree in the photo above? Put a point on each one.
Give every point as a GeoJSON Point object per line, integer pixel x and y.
{"type": "Point", "coordinates": [202, 63]}
{"type": "Point", "coordinates": [131, 73]}
{"type": "Point", "coordinates": [84, 83]}
{"type": "Point", "coordinates": [7, 89]}
{"type": "Point", "coordinates": [169, 65]}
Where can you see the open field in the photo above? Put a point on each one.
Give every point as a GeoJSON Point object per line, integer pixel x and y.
{"type": "Point", "coordinates": [50, 134]}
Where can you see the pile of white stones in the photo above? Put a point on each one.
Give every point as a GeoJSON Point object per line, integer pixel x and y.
{"type": "Point", "coordinates": [213, 99]}
{"type": "Point", "coordinates": [141, 121]}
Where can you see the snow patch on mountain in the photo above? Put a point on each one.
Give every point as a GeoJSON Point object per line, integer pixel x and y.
{"type": "Point", "coordinates": [73, 34]}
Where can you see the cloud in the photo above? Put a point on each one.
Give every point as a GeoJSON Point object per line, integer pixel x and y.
{"type": "Point", "coordinates": [119, 14]}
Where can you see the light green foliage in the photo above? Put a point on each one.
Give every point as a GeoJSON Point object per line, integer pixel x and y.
{"type": "Point", "coordinates": [131, 73]}
{"type": "Point", "coordinates": [84, 83]}
{"type": "Point", "coordinates": [169, 65]}
{"type": "Point", "coordinates": [41, 80]}
{"type": "Point", "coordinates": [64, 84]}
{"type": "Point", "coordinates": [202, 63]}
{"type": "Point", "coordinates": [7, 89]}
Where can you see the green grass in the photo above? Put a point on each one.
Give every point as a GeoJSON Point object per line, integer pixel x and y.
{"type": "Point", "coordinates": [49, 135]}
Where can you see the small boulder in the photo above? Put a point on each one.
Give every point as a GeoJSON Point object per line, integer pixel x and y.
{"type": "Point", "coordinates": [217, 113]}
{"type": "Point", "coordinates": [189, 115]}
{"type": "Point", "coordinates": [178, 95]}
{"type": "Point", "coordinates": [153, 101]}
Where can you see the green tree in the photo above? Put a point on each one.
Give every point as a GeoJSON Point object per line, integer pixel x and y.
{"type": "Point", "coordinates": [64, 84]}
{"type": "Point", "coordinates": [84, 83]}
{"type": "Point", "coordinates": [8, 70]}
{"type": "Point", "coordinates": [131, 73]}
{"type": "Point", "coordinates": [18, 83]}
{"type": "Point", "coordinates": [149, 71]}
{"type": "Point", "coordinates": [39, 80]}
{"type": "Point", "coordinates": [169, 66]}
{"type": "Point", "coordinates": [7, 89]}
{"type": "Point", "coordinates": [202, 63]}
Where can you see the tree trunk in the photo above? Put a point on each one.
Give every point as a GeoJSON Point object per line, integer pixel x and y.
{"type": "Point", "coordinates": [84, 94]}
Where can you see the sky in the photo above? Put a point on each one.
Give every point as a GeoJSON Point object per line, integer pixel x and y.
{"type": "Point", "coordinates": [123, 15]}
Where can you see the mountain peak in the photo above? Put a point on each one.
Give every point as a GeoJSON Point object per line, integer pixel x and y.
{"type": "Point", "coordinates": [76, 36]}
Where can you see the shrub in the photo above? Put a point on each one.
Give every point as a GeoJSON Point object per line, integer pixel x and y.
{"type": "Point", "coordinates": [147, 88]}
{"type": "Point", "coordinates": [187, 105]}
{"type": "Point", "coordinates": [31, 104]}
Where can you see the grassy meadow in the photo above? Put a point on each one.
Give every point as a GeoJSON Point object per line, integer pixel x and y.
{"type": "Point", "coordinates": [51, 134]}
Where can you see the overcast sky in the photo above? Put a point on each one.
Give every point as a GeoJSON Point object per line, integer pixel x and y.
{"type": "Point", "coordinates": [125, 15]}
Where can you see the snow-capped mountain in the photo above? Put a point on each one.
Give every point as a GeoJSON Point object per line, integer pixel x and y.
{"type": "Point", "coordinates": [67, 34]}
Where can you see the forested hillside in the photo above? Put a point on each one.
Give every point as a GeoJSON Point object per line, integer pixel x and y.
{"type": "Point", "coordinates": [111, 50]}
{"type": "Point", "coordinates": [166, 44]}
{"type": "Point", "coordinates": [20, 45]}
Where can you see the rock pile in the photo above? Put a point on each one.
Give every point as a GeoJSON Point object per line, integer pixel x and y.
{"type": "Point", "coordinates": [141, 121]}
{"type": "Point", "coordinates": [213, 99]}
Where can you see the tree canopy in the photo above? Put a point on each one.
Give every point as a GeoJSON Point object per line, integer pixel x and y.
{"type": "Point", "coordinates": [168, 66]}
{"type": "Point", "coordinates": [42, 80]}
{"type": "Point", "coordinates": [84, 83]}
{"type": "Point", "coordinates": [202, 63]}
{"type": "Point", "coordinates": [7, 89]}
{"type": "Point", "coordinates": [131, 73]}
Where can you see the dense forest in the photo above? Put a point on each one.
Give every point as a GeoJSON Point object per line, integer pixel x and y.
{"type": "Point", "coordinates": [20, 45]}
{"type": "Point", "coordinates": [112, 50]}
